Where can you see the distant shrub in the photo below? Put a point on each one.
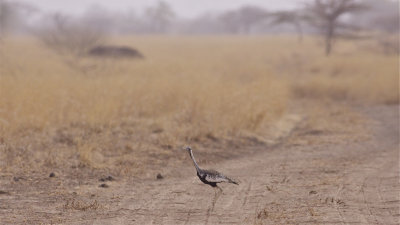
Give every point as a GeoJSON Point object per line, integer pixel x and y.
{"type": "Point", "coordinates": [67, 37]}
{"type": "Point", "coordinates": [114, 51]}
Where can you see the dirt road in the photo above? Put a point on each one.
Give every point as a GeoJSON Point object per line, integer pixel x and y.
{"type": "Point", "coordinates": [293, 183]}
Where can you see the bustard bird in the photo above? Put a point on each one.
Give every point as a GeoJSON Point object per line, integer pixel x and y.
{"type": "Point", "coordinates": [210, 177]}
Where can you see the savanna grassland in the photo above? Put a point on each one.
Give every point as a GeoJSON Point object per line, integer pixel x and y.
{"type": "Point", "coordinates": [130, 116]}
{"type": "Point", "coordinates": [89, 140]}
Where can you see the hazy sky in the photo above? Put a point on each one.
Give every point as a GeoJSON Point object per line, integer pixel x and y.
{"type": "Point", "coordinates": [184, 8]}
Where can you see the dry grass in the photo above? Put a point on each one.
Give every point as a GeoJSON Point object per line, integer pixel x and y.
{"type": "Point", "coordinates": [353, 73]}
{"type": "Point", "coordinates": [181, 85]}
{"type": "Point", "coordinates": [131, 115]}
{"type": "Point", "coordinates": [186, 90]}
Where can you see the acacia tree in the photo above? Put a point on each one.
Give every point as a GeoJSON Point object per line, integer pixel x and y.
{"type": "Point", "coordinates": [243, 19]}
{"type": "Point", "coordinates": [13, 15]}
{"type": "Point", "coordinates": [249, 16]}
{"type": "Point", "coordinates": [66, 36]}
{"type": "Point", "coordinates": [230, 21]}
{"type": "Point", "coordinates": [6, 13]}
{"type": "Point", "coordinates": [289, 17]}
{"type": "Point", "coordinates": [324, 15]}
{"type": "Point", "coordinates": [159, 17]}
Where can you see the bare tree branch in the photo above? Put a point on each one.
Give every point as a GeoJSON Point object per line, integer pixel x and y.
{"type": "Point", "coordinates": [67, 37]}
{"type": "Point", "coordinates": [243, 19]}
{"type": "Point", "coordinates": [324, 16]}
{"type": "Point", "coordinates": [290, 17]}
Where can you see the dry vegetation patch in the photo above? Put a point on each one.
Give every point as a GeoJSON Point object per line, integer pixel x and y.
{"type": "Point", "coordinates": [134, 114]}
{"type": "Point", "coordinates": [354, 73]}
{"type": "Point", "coordinates": [131, 116]}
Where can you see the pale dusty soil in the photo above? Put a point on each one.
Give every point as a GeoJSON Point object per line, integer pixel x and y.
{"type": "Point", "coordinates": [312, 177]}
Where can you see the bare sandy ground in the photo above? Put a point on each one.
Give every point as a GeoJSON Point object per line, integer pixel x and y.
{"type": "Point", "coordinates": [300, 181]}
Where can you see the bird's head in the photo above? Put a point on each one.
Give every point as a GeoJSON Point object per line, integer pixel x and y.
{"type": "Point", "coordinates": [187, 148]}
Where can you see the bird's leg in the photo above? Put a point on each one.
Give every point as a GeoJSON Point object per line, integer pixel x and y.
{"type": "Point", "coordinates": [217, 194]}
{"type": "Point", "coordinates": [220, 189]}
{"type": "Point", "coordinates": [208, 216]}
{"type": "Point", "coordinates": [212, 207]}
{"type": "Point", "coordinates": [214, 199]}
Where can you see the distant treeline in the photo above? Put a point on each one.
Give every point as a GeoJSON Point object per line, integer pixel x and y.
{"type": "Point", "coordinates": [378, 15]}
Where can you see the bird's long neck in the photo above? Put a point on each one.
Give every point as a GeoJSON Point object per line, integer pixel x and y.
{"type": "Point", "coordinates": [194, 161]}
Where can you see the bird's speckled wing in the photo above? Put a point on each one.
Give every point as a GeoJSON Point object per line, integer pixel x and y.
{"type": "Point", "coordinates": [215, 176]}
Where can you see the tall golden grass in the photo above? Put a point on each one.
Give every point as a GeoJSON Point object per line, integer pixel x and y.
{"type": "Point", "coordinates": [353, 73]}
{"type": "Point", "coordinates": [130, 113]}
{"type": "Point", "coordinates": [187, 86]}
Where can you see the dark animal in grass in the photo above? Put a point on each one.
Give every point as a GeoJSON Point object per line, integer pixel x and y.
{"type": "Point", "coordinates": [115, 52]}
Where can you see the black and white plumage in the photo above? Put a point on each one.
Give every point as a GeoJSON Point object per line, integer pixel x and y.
{"type": "Point", "coordinates": [210, 177]}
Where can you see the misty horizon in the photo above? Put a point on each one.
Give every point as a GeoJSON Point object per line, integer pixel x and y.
{"type": "Point", "coordinates": [183, 9]}
{"type": "Point", "coordinates": [189, 17]}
